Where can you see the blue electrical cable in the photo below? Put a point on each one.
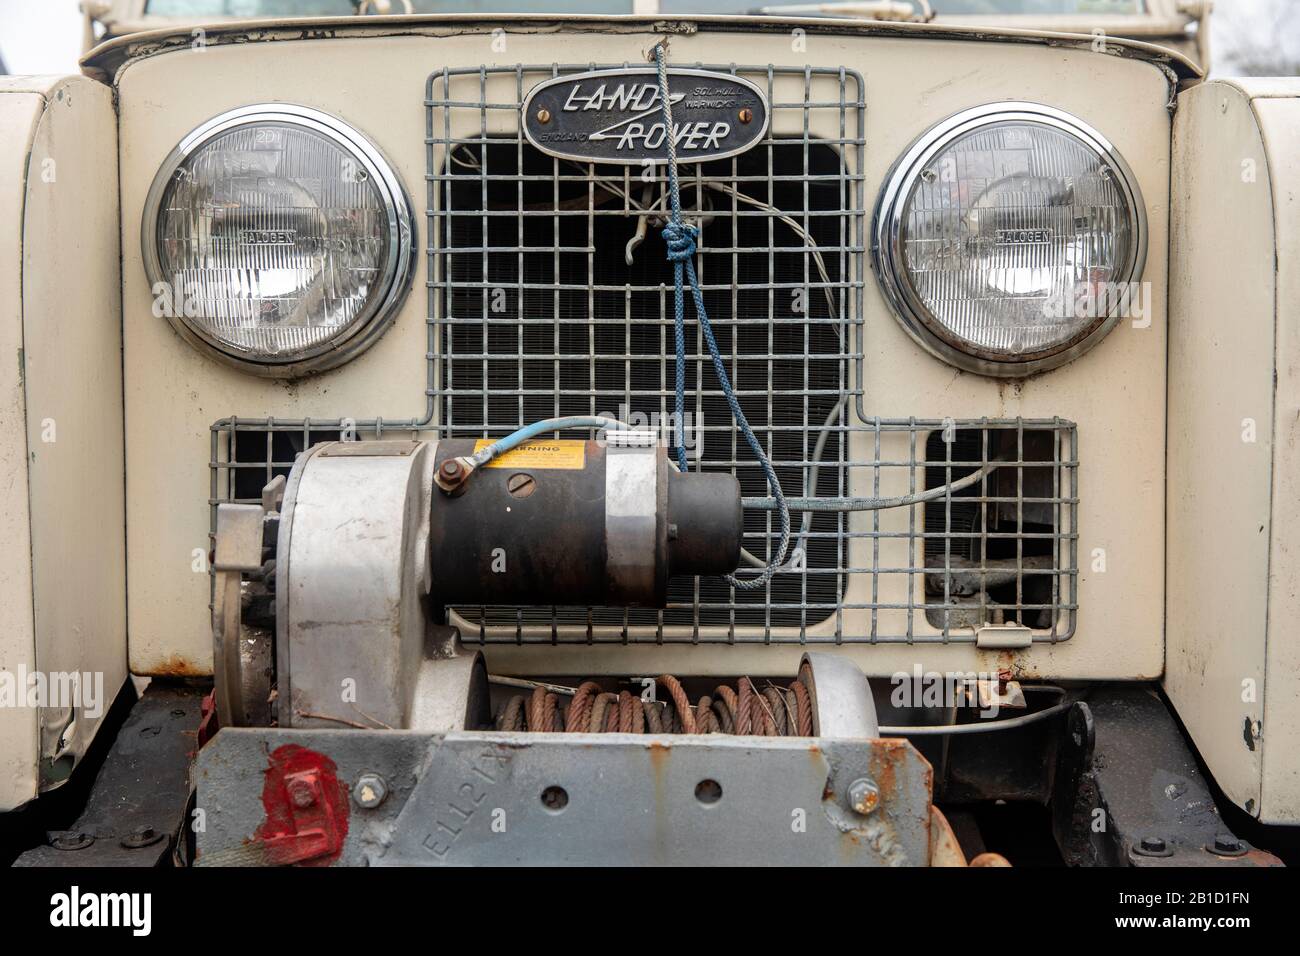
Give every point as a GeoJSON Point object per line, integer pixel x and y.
{"type": "Point", "coordinates": [514, 439]}
{"type": "Point", "coordinates": [680, 238]}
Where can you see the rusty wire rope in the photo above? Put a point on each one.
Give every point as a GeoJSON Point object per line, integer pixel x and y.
{"type": "Point", "coordinates": [746, 709]}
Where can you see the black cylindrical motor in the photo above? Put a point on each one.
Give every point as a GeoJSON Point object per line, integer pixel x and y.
{"type": "Point", "coordinates": [559, 522]}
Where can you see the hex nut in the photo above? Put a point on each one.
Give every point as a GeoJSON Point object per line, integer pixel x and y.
{"type": "Point", "coordinates": [71, 840]}
{"type": "Point", "coordinates": [370, 791]}
{"type": "Point", "coordinates": [1227, 844]}
{"type": "Point", "coordinates": [141, 837]}
{"type": "Point", "coordinates": [864, 796]}
{"type": "Point", "coordinates": [1153, 845]}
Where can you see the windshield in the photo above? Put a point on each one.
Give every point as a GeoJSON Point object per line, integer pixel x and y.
{"type": "Point", "coordinates": [304, 8]}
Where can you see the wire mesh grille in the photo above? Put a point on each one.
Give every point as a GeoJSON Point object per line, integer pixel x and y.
{"type": "Point", "coordinates": [551, 298]}
{"type": "Point", "coordinates": [549, 294]}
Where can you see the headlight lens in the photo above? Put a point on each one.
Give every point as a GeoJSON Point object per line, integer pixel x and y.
{"type": "Point", "coordinates": [1008, 237]}
{"type": "Point", "coordinates": [279, 237]}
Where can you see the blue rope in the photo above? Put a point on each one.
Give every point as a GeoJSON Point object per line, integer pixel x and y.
{"type": "Point", "coordinates": [680, 237]}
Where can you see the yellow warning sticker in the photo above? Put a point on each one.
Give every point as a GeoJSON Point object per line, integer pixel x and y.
{"type": "Point", "coordinates": [542, 453]}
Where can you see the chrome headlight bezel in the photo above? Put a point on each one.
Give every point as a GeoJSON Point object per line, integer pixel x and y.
{"type": "Point", "coordinates": [887, 254]}
{"type": "Point", "coordinates": [399, 261]}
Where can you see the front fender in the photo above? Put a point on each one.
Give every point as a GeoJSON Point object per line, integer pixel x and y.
{"type": "Point", "coordinates": [62, 567]}
{"type": "Point", "coordinates": [1233, 556]}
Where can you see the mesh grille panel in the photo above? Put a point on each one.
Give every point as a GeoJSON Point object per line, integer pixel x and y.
{"type": "Point", "coordinates": [549, 294]}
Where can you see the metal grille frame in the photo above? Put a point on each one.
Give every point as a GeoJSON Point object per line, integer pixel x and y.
{"type": "Point", "coordinates": [866, 574]}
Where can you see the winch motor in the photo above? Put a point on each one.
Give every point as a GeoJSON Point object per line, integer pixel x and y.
{"type": "Point", "coordinates": [345, 571]}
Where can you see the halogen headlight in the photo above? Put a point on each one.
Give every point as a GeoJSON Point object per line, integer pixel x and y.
{"type": "Point", "coordinates": [1009, 238]}
{"type": "Point", "coordinates": [278, 237]}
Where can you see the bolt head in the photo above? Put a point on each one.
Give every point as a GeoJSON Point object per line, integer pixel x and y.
{"type": "Point", "coordinates": [1153, 844]}
{"type": "Point", "coordinates": [1226, 843]}
{"type": "Point", "coordinates": [141, 837]}
{"type": "Point", "coordinates": [864, 796]}
{"type": "Point", "coordinates": [543, 116]}
{"type": "Point", "coordinates": [370, 790]}
{"type": "Point", "coordinates": [450, 468]}
{"type": "Point", "coordinates": [301, 794]}
{"type": "Point", "coordinates": [71, 840]}
{"type": "Point", "coordinates": [746, 115]}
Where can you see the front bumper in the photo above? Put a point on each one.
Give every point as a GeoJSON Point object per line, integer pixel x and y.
{"type": "Point", "coordinates": [352, 797]}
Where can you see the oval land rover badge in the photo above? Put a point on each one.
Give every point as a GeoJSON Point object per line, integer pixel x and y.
{"type": "Point", "coordinates": [615, 116]}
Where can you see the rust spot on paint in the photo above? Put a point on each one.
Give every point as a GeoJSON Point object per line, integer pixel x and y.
{"type": "Point", "coordinates": [884, 771]}
{"type": "Point", "coordinates": [175, 666]}
{"type": "Point", "coordinates": [659, 754]}
{"type": "Point", "coordinates": [1255, 857]}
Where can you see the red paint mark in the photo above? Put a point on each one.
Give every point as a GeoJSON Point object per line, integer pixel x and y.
{"type": "Point", "coordinates": [306, 808]}
{"type": "Point", "coordinates": [208, 725]}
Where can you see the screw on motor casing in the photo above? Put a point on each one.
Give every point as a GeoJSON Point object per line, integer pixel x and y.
{"type": "Point", "coordinates": [864, 796]}
{"type": "Point", "coordinates": [521, 485]}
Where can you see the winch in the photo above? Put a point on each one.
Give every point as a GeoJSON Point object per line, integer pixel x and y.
{"type": "Point", "coordinates": [353, 561]}
{"type": "Point", "coordinates": [346, 699]}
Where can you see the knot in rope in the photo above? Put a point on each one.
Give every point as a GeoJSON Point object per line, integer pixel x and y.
{"type": "Point", "coordinates": [680, 238]}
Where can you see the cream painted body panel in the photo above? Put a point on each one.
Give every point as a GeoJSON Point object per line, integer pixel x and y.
{"type": "Point", "coordinates": [1233, 577]}
{"type": "Point", "coordinates": [1279, 118]}
{"type": "Point", "coordinates": [19, 114]}
{"type": "Point", "coordinates": [64, 579]}
{"type": "Point", "coordinates": [1116, 393]}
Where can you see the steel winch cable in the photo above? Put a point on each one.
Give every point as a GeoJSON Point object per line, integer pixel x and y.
{"type": "Point", "coordinates": [746, 709]}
